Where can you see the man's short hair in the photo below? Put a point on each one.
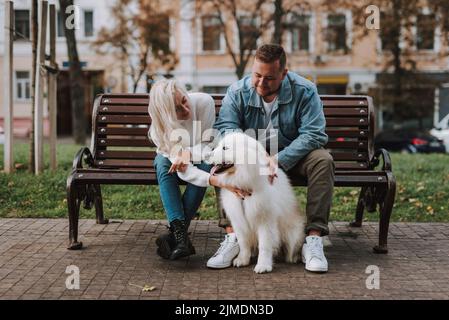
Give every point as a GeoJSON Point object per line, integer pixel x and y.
{"type": "Point", "coordinates": [269, 53]}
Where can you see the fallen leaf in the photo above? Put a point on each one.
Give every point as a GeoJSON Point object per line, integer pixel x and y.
{"type": "Point", "coordinates": [147, 288]}
{"type": "Point", "coordinates": [411, 200]}
{"type": "Point", "coordinates": [419, 204]}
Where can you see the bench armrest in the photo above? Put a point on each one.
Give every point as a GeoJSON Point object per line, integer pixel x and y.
{"type": "Point", "coordinates": [78, 160]}
{"type": "Point", "coordinates": [385, 157]}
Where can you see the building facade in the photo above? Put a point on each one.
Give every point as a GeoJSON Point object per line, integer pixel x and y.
{"type": "Point", "coordinates": [320, 45]}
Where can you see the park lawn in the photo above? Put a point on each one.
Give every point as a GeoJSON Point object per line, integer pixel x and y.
{"type": "Point", "coordinates": [422, 192]}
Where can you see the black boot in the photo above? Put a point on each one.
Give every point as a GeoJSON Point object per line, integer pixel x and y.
{"type": "Point", "coordinates": [166, 242]}
{"type": "Point", "coordinates": [181, 248]}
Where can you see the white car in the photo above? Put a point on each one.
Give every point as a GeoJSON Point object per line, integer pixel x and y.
{"type": "Point", "coordinates": [441, 131]}
{"type": "Point", "coordinates": [2, 136]}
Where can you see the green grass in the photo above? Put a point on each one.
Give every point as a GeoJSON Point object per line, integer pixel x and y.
{"type": "Point", "coordinates": [422, 192]}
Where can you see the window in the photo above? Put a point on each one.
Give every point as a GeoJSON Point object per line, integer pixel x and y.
{"type": "Point", "coordinates": [300, 32]}
{"type": "Point", "coordinates": [211, 29]}
{"type": "Point", "coordinates": [88, 23]}
{"type": "Point", "coordinates": [249, 32]}
{"type": "Point", "coordinates": [336, 32]}
{"type": "Point", "coordinates": [23, 85]}
{"type": "Point", "coordinates": [425, 31]}
{"type": "Point", "coordinates": [60, 31]}
{"type": "Point", "coordinates": [22, 24]}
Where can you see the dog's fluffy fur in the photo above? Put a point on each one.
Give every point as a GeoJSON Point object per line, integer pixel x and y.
{"type": "Point", "coordinates": [269, 219]}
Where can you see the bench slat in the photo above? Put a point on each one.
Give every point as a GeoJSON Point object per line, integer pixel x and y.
{"type": "Point", "coordinates": [348, 156]}
{"type": "Point", "coordinates": [347, 145]}
{"type": "Point", "coordinates": [347, 133]}
{"type": "Point", "coordinates": [343, 103]}
{"type": "Point", "coordinates": [107, 154]}
{"type": "Point", "coordinates": [340, 112]}
{"type": "Point", "coordinates": [124, 119]}
{"type": "Point", "coordinates": [351, 166]}
{"type": "Point", "coordinates": [123, 109]}
{"type": "Point", "coordinates": [123, 131]}
{"type": "Point", "coordinates": [138, 101]}
{"type": "Point", "coordinates": [124, 163]}
{"type": "Point", "coordinates": [148, 177]}
{"type": "Point", "coordinates": [350, 122]}
{"type": "Point", "coordinates": [125, 142]}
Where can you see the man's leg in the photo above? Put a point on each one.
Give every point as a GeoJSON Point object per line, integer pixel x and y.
{"type": "Point", "coordinates": [229, 248]}
{"type": "Point", "coordinates": [318, 167]}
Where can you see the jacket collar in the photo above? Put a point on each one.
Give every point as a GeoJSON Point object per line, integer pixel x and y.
{"type": "Point", "coordinates": [285, 94]}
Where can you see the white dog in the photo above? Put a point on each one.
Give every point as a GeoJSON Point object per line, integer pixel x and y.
{"type": "Point", "coordinates": [269, 219]}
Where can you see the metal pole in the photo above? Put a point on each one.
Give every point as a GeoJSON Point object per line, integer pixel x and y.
{"type": "Point", "coordinates": [52, 88]}
{"type": "Point", "coordinates": [39, 92]}
{"type": "Point", "coordinates": [7, 83]}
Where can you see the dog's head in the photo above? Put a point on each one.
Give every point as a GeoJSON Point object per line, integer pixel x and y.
{"type": "Point", "coordinates": [236, 150]}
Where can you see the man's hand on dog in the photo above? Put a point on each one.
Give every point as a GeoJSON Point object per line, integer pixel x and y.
{"type": "Point", "coordinates": [273, 169]}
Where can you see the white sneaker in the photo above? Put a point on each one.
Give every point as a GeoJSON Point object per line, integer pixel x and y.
{"type": "Point", "coordinates": [229, 249]}
{"type": "Point", "coordinates": [313, 255]}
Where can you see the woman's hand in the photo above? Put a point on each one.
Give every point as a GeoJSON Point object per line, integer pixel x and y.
{"type": "Point", "coordinates": [216, 182]}
{"type": "Point", "coordinates": [181, 162]}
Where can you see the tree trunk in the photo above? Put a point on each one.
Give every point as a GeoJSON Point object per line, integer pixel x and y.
{"type": "Point", "coordinates": [397, 52]}
{"type": "Point", "coordinates": [79, 123]}
{"type": "Point", "coordinates": [34, 31]}
{"type": "Point", "coordinates": [277, 18]}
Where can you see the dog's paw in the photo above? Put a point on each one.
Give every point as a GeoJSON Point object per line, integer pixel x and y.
{"type": "Point", "coordinates": [241, 261]}
{"type": "Point", "coordinates": [261, 268]}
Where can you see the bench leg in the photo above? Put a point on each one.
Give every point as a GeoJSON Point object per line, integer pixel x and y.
{"type": "Point", "coordinates": [357, 223]}
{"type": "Point", "coordinates": [73, 203]}
{"type": "Point", "coordinates": [99, 205]}
{"type": "Point", "coordinates": [386, 208]}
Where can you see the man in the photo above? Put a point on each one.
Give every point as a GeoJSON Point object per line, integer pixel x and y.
{"type": "Point", "coordinates": [274, 98]}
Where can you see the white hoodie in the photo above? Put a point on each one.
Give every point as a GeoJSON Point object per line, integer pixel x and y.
{"type": "Point", "coordinates": [203, 118]}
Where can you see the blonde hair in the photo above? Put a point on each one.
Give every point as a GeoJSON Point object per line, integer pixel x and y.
{"type": "Point", "coordinates": [163, 114]}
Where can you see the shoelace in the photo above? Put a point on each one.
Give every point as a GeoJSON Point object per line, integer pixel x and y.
{"type": "Point", "coordinates": [315, 248]}
{"type": "Point", "coordinates": [222, 245]}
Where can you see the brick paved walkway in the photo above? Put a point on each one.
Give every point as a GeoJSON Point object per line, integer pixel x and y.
{"type": "Point", "coordinates": [33, 261]}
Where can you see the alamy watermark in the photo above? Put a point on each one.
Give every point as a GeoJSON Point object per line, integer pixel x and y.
{"type": "Point", "coordinates": [372, 22]}
{"type": "Point", "coordinates": [373, 280]}
{"type": "Point", "coordinates": [72, 282]}
{"type": "Point", "coordinates": [73, 19]}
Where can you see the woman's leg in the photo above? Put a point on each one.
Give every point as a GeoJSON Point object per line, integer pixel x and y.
{"type": "Point", "coordinates": [175, 244]}
{"type": "Point", "coordinates": [193, 195]}
{"type": "Point", "coordinates": [169, 189]}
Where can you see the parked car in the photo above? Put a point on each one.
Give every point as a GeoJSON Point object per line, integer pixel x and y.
{"type": "Point", "coordinates": [2, 136]}
{"type": "Point", "coordinates": [409, 141]}
{"type": "Point", "coordinates": [441, 131]}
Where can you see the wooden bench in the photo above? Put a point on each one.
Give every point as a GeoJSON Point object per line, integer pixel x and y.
{"type": "Point", "coordinates": [121, 154]}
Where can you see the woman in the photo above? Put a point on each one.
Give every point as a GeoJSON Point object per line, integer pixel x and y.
{"type": "Point", "coordinates": [179, 122]}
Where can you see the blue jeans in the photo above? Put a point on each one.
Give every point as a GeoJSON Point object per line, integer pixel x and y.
{"type": "Point", "coordinates": [177, 206]}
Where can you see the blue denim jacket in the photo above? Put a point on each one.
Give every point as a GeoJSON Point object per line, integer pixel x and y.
{"type": "Point", "coordinates": [297, 115]}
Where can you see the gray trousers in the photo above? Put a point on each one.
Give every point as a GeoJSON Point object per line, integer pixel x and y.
{"type": "Point", "coordinates": [319, 170]}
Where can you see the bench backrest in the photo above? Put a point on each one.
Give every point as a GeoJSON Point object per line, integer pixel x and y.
{"type": "Point", "coordinates": [120, 131]}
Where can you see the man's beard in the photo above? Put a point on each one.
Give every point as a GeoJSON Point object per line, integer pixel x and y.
{"type": "Point", "coordinates": [272, 92]}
